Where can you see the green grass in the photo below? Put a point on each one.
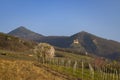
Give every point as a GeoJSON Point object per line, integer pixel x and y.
{"type": "Point", "coordinates": [77, 74]}
{"type": "Point", "coordinates": [73, 56]}
{"type": "Point", "coordinates": [15, 55]}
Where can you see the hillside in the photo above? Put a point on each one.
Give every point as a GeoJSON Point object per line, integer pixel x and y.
{"type": "Point", "coordinates": [59, 41]}
{"type": "Point", "coordinates": [86, 43]}
{"type": "Point", "coordinates": [65, 65]}
{"type": "Point", "coordinates": [24, 70]}
{"type": "Point", "coordinates": [98, 46]}
{"type": "Point", "coordinates": [23, 32]}
{"type": "Point", "coordinates": [12, 43]}
{"type": "Point", "coordinates": [16, 65]}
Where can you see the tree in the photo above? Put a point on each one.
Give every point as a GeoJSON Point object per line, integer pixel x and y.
{"type": "Point", "coordinates": [44, 51]}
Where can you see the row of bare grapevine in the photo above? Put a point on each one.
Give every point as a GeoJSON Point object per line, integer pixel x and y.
{"type": "Point", "coordinates": [87, 70]}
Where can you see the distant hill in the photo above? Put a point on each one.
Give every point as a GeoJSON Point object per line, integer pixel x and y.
{"type": "Point", "coordinates": [59, 41]}
{"type": "Point", "coordinates": [86, 42]}
{"type": "Point", "coordinates": [23, 32]}
{"type": "Point", "coordinates": [97, 45]}
{"type": "Point", "coordinates": [12, 43]}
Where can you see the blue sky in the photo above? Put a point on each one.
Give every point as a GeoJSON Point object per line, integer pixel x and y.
{"type": "Point", "coordinates": [62, 17]}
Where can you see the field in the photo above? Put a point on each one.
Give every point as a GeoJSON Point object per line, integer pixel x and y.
{"type": "Point", "coordinates": [65, 66]}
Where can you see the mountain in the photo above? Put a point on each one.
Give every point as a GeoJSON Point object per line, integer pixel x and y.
{"type": "Point", "coordinates": [82, 42]}
{"type": "Point", "coordinates": [12, 43]}
{"type": "Point", "coordinates": [59, 41]}
{"type": "Point", "coordinates": [98, 46]}
{"type": "Point", "coordinates": [23, 32]}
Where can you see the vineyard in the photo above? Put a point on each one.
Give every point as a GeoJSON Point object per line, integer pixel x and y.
{"type": "Point", "coordinates": [83, 69]}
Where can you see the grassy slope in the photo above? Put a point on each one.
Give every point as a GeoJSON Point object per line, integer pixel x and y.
{"type": "Point", "coordinates": [24, 70]}
{"type": "Point", "coordinates": [20, 66]}
{"type": "Point", "coordinates": [73, 56]}
{"type": "Point", "coordinates": [12, 43]}
{"type": "Point", "coordinates": [16, 66]}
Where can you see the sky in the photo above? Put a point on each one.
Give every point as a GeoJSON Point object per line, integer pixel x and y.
{"type": "Point", "coordinates": [62, 17]}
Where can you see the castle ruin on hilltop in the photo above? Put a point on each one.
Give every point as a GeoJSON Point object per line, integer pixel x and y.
{"type": "Point", "coordinates": [76, 41]}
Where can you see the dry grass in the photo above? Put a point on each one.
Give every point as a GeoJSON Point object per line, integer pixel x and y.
{"type": "Point", "coordinates": [23, 70]}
